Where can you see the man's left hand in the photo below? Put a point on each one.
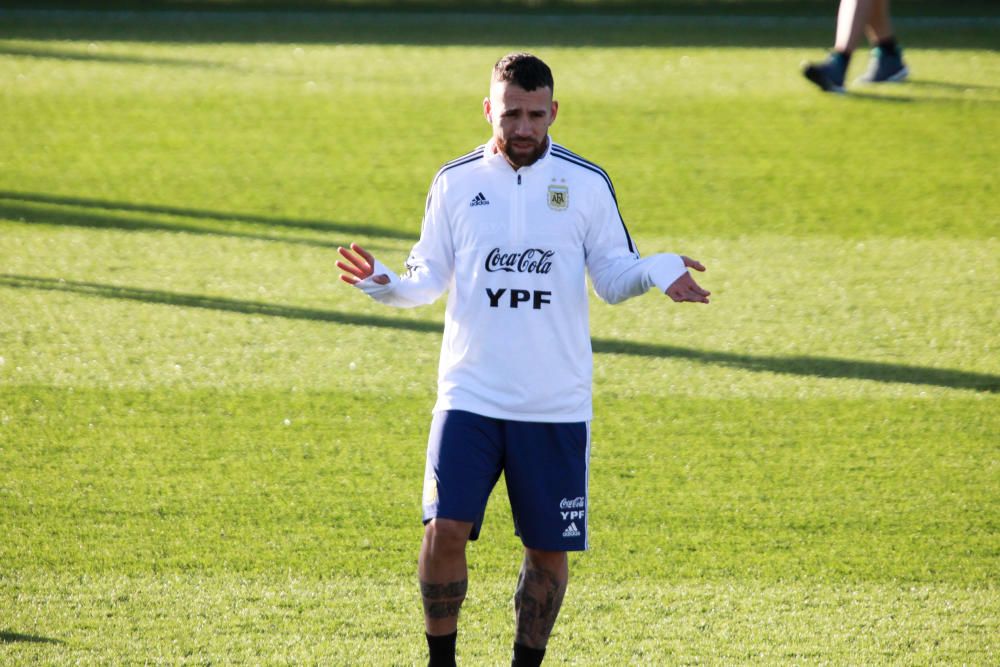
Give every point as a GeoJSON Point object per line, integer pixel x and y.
{"type": "Point", "coordinates": [685, 288]}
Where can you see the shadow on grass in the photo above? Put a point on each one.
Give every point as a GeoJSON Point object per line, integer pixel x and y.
{"type": "Point", "coordinates": [874, 97]}
{"type": "Point", "coordinates": [824, 367]}
{"type": "Point", "coordinates": [734, 23]}
{"type": "Point", "coordinates": [949, 85]}
{"type": "Point", "coordinates": [84, 212]}
{"type": "Point", "coordinates": [868, 96]}
{"type": "Point", "coordinates": [7, 637]}
{"type": "Point", "coordinates": [215, 303]}
{"type": "Point", "coordinates": [119, 59]}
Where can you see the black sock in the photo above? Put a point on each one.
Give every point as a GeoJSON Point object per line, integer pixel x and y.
{"type": "Point", "coordinates": [442, 650]}
{"type": "Point", "coordinates": [845, 57]}
{"type": "Point", "coordinates": [525, 656]}
{"type": "Point", "coordinates": [889, 46]}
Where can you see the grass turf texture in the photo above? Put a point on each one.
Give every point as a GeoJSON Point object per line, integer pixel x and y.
{"type": "Point", "coordinates": [212, 452]}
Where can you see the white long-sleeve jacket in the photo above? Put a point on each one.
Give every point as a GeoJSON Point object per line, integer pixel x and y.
{"type": "Point", "coordinates": [510, 247]}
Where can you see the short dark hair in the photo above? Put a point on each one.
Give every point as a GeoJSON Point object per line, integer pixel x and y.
{"type": "Point", "coordinates": [524, 70]}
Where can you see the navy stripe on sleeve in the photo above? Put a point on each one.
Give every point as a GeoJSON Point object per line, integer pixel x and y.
{"type": "Point", "coordinates": [569, 155]}
{"type": "Point", "coordinates": [459, 161]}
{"type": "Point", "coordinates": [471, 156]}
{"type": "Point", "coordinates": [573, 158]}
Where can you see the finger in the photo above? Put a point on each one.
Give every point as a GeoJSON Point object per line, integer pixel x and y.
{"type": "Point", "coordinates": [680, 286]}
{"type": "Point", "coordinates": [697, 295]}
{"type": "Point", "coordinates": [680, 295]}
{"type": "Point", "coordinates": [350, 280]}
{"type": "Point", "coordinates": [686, 282]}
{"type": "Point", "coordinates": [365, 267]}
{"type": "Point", "coordinates": [353, 270]}
{"type": "Point", "coordinates": [370, 258]}
{"type": "Point", "coordinates": [693, 263]}
{"type": "Point", "coordinates": [350, 256]}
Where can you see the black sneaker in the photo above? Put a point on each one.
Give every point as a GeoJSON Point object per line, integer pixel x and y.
{"type": "Point", "coordinates": [883, 67]}
{"type": "Point", "coordinates": [829, 74]}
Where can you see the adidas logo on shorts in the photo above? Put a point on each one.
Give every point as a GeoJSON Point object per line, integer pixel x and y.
{"type": "Point", "coordinates": [571, 530]}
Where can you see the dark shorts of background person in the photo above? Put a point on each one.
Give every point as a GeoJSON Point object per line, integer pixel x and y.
{"type": "Point", "coordinates": [545, 466]}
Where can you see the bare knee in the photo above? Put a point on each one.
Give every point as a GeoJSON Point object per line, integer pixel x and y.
{"type": "Point", "coordinates": [555, 562]}
{"type": "Point", "coordinates": [446, 536]}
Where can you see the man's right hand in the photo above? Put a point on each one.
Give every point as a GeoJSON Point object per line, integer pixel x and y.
{"type": "Point", "coordinates": [359, 266]}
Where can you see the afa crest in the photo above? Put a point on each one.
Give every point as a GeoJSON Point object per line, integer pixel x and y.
{"type": "Point", "coordinates": [430, 491]}
{"type": "Point", "coordinates": [558, 197]}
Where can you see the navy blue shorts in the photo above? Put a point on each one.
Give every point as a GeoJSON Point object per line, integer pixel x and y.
{"type": "Point", "coordinates": [545, 466]}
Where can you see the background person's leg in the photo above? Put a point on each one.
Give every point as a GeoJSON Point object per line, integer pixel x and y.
{"type": "Point", "coordinates": [879, 22]}
{"type": "Point", "coordinates": [852, 17]}
{"type": "Point", "coordinates": [886, 62]}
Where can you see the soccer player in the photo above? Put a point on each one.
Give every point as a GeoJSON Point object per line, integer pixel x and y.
{"type": "Point", "coordinates": [509, 230]}
{"type": "Point", "coordinates": [853, 18]}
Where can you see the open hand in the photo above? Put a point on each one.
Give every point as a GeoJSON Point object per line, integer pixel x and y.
{"type": "Point", "coordinates": [358, 266]}
{"type": "Point", "coordinates": [685, 288]}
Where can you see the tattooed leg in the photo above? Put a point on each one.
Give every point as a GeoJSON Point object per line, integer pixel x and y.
{"type": "Point", "coordinates": [540, 590]}
{"type": "Point", "coordinates": [443, 574]}
{"type": "Point", "coordinates": [442, 601]}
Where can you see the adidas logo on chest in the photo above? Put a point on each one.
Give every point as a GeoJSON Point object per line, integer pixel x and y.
{"type": "Point", "coordinates": [479, 200]}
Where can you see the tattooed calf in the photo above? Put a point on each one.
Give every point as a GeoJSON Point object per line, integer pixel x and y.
{"type": "Point", "coordinates": [452, 589]}
{"type": "Point", "coordinates": [537, 600]}
{"type": "Point", "coordinates": [443, 600]}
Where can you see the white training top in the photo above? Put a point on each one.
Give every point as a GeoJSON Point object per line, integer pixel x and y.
{"type": "Point", "coordinates": [511, 248]}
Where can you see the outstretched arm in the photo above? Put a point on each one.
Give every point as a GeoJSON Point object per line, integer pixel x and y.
{"type": "Point", "coordinates": [429, 266]}
{"type": "Point", "coordinates": [617, 271]}
{"type": "Point", "coordinates": [420, 285]}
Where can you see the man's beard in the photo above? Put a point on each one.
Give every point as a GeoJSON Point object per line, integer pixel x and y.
{"type": "Point", "coordinates": [522, 160]}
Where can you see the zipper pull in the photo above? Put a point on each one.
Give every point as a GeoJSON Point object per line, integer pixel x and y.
{"type": "Point", "coordinates": [519, 179]}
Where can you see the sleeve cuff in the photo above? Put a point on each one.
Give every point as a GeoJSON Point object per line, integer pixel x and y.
{"type": "Point", "coordinates": [668, 269]}
{"type": "Point", "coordinates": [372, 288]}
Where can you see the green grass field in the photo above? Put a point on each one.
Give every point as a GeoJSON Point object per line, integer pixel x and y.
{"type": "Point", "coordinates": [211, 451]}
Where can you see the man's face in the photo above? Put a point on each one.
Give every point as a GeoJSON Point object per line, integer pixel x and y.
{"type": "Point", "coordinates": [520, 120]}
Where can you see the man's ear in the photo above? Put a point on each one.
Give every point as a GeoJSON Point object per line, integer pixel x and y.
{"type": "Point", "coordinates": [488, 110]}
{"type": "Point", "coordinates": [555, 110]}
